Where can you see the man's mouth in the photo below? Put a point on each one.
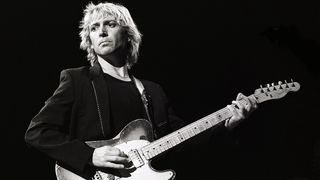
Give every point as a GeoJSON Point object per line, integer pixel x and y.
{"type": "Point", "coordinates": [103, 43]}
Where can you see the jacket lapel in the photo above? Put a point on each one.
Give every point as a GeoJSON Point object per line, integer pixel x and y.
{"type": "Point", "coordinates": [102, 98]}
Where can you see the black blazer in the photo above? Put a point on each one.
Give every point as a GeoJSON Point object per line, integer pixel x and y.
{"type": "Point", "coordinates": [70, 117]}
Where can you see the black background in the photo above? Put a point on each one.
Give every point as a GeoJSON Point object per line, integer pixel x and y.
{"type": "Point", "coordinates": [202, 53]}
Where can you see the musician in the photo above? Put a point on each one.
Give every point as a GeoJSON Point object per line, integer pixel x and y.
{"type": "Point", "coordinates": [95, 102]}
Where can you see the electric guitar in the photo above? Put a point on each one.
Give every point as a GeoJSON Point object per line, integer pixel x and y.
{"type": "Point", "coordinates": [136, 140]}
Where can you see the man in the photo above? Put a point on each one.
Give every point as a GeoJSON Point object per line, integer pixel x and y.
{"type": "Point", "coordinates": [97, 102]}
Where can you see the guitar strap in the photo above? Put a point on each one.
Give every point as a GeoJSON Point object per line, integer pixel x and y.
{"type": "Point", "coordinates": [144, 99]}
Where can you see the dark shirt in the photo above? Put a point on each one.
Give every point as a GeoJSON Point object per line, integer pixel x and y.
{"type": "Point", "coordinates": [126, 104]}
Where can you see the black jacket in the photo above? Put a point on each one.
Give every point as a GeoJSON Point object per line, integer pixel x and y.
{"type": "Point", "coordinates": [71, 116]}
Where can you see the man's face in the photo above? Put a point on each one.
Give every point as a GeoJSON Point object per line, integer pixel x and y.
{"type": "Point", "coordinates": [106, 36]}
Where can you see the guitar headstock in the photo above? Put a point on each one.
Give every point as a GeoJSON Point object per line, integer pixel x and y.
{"type": "Point", "coordinates": [275, 91]}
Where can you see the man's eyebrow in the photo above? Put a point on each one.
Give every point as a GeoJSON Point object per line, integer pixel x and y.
{"type": "Point", "coordinates": [105, 21]}
{"type": "Point", "coordinates": [94, 24]}
{"type": "Point", "coordinates": [109, 20]}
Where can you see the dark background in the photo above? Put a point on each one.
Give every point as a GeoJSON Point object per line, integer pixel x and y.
{"type": "Point", "coordinates": [203, 53]}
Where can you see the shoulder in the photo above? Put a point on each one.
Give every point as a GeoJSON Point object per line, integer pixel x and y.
{"type": "Point", "coordinates": [75, 76]}
{"type": "Point", "coordinates": [153, 87]}
{"type": "Point", "coordinates": [77, 72]}
{"type": "Point", "coordinates": [150, 84]}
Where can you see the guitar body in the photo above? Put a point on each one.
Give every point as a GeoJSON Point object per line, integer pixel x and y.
{"type": "Point", "coordinates": [130, 140]}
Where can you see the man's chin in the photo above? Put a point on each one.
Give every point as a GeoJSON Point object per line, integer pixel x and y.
{"type": "Point", "coordinates": [106, 52]}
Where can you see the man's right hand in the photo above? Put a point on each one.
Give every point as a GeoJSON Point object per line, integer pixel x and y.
{"type": "Point", "coordinates": [110, 157]}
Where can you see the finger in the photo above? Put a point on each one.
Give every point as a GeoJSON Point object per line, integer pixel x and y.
{"type": "Point", "coordinates": [238, 105]}
{"type": "Point", "coordinates": [240, 96]}
{"type": "Point", "coordinates": [252, 106]}
{"type": "Point", "coordinates": [250, 101]}
{"type": "Point", "coordinates": [248, 104]}
{"type": "Point", "coordinates": [226, 122]}
{"type": "Point", "coordinates": [240, 111]}
{"type": "Point", "coordinates": [114, 151]}
{"type": "Point", "coordinates": [253, 102]}
{"type": "Point", "coordinates": [235, 113]}
{"type": "Point", "coordinates": [113, 165]}
{"type": "Point", "coordinates": [122, 154]}
{"type": "Point", "coordinates": [117, 159]}
{"type": "Point", "coordinates": [233, 121]}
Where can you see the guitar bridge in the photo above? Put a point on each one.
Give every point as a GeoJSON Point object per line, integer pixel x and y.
{"type": "Point", "coordinates": [135, 157]}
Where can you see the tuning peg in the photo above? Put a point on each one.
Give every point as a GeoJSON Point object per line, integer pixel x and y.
{"type": "Point", "coordinates": [268, 86]}
{"type": "Point", "coordinates": [292, 83]}
{"type": "Point", "coordinates": [274, 88]}
{"type": "Point", "coordinates": [279, 83]}
{"type": "Point", "coordinates": [285, 81]}
{"type": "Point", "coordinates": [262, 91]}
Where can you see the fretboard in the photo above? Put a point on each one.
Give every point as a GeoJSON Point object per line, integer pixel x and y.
{"type": "Point", "coordinates": [171, 140]}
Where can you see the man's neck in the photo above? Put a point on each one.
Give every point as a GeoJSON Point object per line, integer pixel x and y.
{"type": "Point", "coordinates": [116, 72]}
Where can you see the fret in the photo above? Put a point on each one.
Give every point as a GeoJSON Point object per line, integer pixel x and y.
{"type": "Point", "coordinates": [161, 148]}
{"type": "Point", "coordinates": [164, 145]}
{"type": "Point", "coordinates": [190, 132]}
{"type": "Point", "coordinates": [185, 135]}
{"type": "Point", "coordinates": [152, 153]}
{"type": "Point", "coordinates": [173, 142]}
{"type": "Point", "coordinates": [146, 155]}
{"type": "Point", "coordinates": [207, 123]}
{"type": "Point", "coordinates": [195, 130]}
{"type": "Point", "coordinates": [169, 144]}
{"type": "Point", "coordinates": [180, 137]}
{"type": "Point", "coordinates": [200, 128]}
{"type": "Point", "coordinates": [156, 150]}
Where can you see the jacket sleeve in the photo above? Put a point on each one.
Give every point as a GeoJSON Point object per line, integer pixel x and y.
{"type": "Point", "coordinates": [174, 121]}
{"type": "Point", "coordinates": [48, 130]}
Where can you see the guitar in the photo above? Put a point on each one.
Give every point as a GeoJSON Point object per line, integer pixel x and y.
{"type": "Point", "coordinates": [136, 140]}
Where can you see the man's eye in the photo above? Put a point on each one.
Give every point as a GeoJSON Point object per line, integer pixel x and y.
{"type": "Point", "coordinates": [112, 24]}
{"type": "Point", "coordinates": [93, 28]}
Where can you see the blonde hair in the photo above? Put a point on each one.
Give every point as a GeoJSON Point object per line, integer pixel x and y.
{"type": "Point", "coordinates": [122, 16]}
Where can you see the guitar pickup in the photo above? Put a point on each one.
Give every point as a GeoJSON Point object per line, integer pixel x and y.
{"type": "Point", "coordinates": [135, 157]}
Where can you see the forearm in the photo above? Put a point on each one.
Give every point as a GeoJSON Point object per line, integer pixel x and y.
{"type": "Point", "coordinates": [57, 145]}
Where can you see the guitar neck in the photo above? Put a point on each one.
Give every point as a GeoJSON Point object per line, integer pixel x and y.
{"type": "Point", "coordinates": [173, 139]}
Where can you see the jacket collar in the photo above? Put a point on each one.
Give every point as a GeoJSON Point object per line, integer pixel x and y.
{"type": "Point", "coordinates": [95, 70]}
{"type": "Point", "coordinates": [102, 98]}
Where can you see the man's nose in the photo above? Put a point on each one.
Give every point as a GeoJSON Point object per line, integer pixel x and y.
{"type": "Point", "coordinates": [103, 31]}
